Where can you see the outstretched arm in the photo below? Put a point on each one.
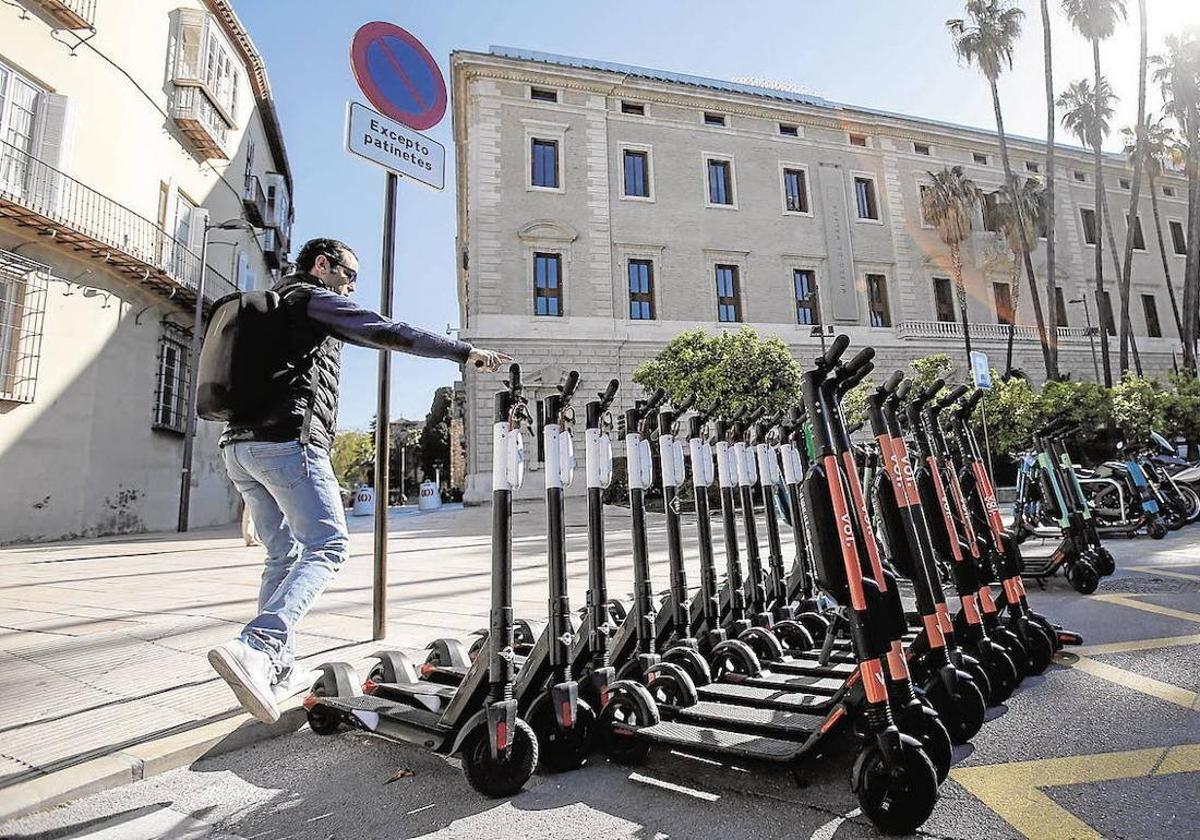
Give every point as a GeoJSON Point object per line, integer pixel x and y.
{"type": "Point", "coordinates": [355, 324]}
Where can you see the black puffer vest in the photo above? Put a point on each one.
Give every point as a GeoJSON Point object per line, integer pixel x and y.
{"type": "Point", "coordinates": [309, 414]}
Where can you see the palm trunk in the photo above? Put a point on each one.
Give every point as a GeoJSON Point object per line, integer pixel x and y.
{"type": "Point", "coordinates": [1100, 214]}
{"type": "Point", "coordinates": [1047, 356]}
{"type": "Point", "coordinates": [1128, 340]}
{"type": "Point", "coordinates": [1050, 208]}
{"type": "Point", "coordinates": [1162, 250]}
{"type": "Point", "coordinates": [1015, 279]}
{"type": "Point", "coordinates": [1191, 271]}
{"type": "Point", "coordinates": [1139, 157]}
{"type": "Point", "coordinates": [961, 290]}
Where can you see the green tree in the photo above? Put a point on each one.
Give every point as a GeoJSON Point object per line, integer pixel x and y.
{"type": "Point", "coordinates": [1096, 20]}
{"type": "Point", "coordinates": [728, 372]}
{"type": "Point", "coordinates": [985, 38]}
{"type": "Point", "coordinates": [352, 456]}
{"type": "Point", "coordinates": [948, 203]}
{"type": "Point", "coordinates": [1011, 408]}
{"type": "Point", "coordinates": [434, 442]}
{"type": "Point", "coordinates": [1138, 407]}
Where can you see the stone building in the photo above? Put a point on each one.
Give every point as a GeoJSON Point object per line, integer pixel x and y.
{"type": "Point", "coordinates": [126, 130]}
{"type": "Point", "coordinates": [603, 208]}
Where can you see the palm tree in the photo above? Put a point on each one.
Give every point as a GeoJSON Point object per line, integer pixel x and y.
{"type": "Point", "coordinates": [1139, 153]}
{"type": "Point", "coordinates": [1177, 73]}
{"type": "Point", "coordinates": [1086, 115]}
{"type": "Point", "coordinates": [1019, 210]}
{"type": "Point", "coordinates": [1160, 141]}
{"type": "Point", "coordinates": [1050, 209]}
{"type": "Point", "coordinates": [948, 203]}
{"type": "Point", "coordinates": [985, 38]}
{"type": "Point", "coordinates": [1095, 20]}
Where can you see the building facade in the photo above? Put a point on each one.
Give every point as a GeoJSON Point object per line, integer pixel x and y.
{"type": "Point", "coordinates": [127, 130]}
{"type": "Point", "coordinates": [603, 209]}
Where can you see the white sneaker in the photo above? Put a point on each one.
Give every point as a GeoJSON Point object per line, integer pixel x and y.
{"type": "Point", "coordinates": [292, 682]}
{"type": "Point", "coordinates": [248, 672]}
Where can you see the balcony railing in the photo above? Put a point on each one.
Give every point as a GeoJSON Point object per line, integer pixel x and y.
{"type": "Point", "coordinates": [254, 200]}
{"type": "Point", "coordinates": [996, 332]}
{"type": "Point", "coordinates": [73, 14]}
{"type": "Point", "coordinates": [37, 196]}
{"type": "Point", "coordinates": [201, 121]}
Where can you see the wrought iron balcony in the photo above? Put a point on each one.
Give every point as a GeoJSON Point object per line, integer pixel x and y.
{"type": "Point", "coordinates": [984, 332]}
{"type": "Point", "coordinates": [39, 197]}
{"type": "Point", "coordinates": [254, 200]}
{"type": "Point", "coordinates": [72, 14]}
{"type": "Point", "coordinates": [201, 121]}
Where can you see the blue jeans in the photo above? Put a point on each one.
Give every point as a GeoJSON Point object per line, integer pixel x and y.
{"type": "Point", "coordinates": [296, 506]}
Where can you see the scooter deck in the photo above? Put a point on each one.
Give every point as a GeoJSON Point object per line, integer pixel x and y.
{"type": "Point", "coordinates": [740, 745]}
{"type": "Point", "coordinates": [769, 722]}
{"type": "Point", "coordinates": [795, 669]}
{"type": "Point", "coordinates": [819, 680]}
{"type": "Point", "coordinates": [764, 698]}
{"type": "Point", "coordinates": [383, 708]}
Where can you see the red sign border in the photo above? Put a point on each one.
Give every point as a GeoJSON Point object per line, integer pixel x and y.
{"type": "Point", "coordinates": [363, 38]}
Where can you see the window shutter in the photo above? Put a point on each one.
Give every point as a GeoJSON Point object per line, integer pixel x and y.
{"type": "Point", "coordinates": [196, 229]}
{"type": "Point", "coordinates": [52, 147]}
{"type": "Point", "coordinates": [245, 280]}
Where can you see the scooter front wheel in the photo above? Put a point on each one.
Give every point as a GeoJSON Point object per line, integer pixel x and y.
{"type": "Point", "coordinates": [1156, 528]}
{"type": "Point", "coordinates": [1084, 577]}
{"type": "Point", "coordinates": [1039, 648]}
{"type": "Point", "coordinates": [504, 774]}
{"type": "Point", "coordinates": [897, 795]}
{"type": "Point", "coordinates": [1002, 674]}
{"type": "Point", "coordinates": [926, 726]}
{"type": "Point", "coordinates": [560, 748]}
{"type": "Point", "coordinates": [962, 712]}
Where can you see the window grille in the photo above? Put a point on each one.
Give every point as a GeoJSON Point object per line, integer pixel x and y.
{"type": "Point", "coordinates": [174, 379]}
{"type": "Point", "coordinates": [23, 290]}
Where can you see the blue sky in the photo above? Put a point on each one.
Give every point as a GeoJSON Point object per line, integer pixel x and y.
{"type": "Point", "coordinates": [891, 54]}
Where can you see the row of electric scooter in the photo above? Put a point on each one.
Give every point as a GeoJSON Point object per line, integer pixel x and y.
{"type": "Point", "coordinates": [770, 666]}
{"type": "Point", "coordinates": [1056, 499]}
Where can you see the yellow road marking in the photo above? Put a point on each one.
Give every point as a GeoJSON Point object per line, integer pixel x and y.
{"type": "Point", "coordinates": [1128, 601]}
{"type": "Point", "coordinates": [1159, 570]}
{"type": "Point", "coordinates": [1136, 644]}
{"type": "Point", "coordinates": [1138, 682]}
{"type": "Point", "coordinates": [1013, 790]}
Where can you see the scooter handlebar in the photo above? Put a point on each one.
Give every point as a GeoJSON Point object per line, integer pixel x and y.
{"type": "Point", "coordinates": [686, 405]}
{"type": "Point", "coordinates": [568, 386]}
{"type": "Point", "coordinates": [835, 351]}
{"type": "Point", "coordinates": [656, 399]}
{"type": "Point", "coordinates": [609, 394]}
{"type": "Point", "coordinates": [903, 389]}
{"type": "Point", "coordinates": [892, 382]}
{"type": "Point", "coordinates": [954, 396]}
{"type": "Point", "coordinates": [970, 402]}
{"type": "Point", "coordinates": [863, 356]}
{"type": "Point", "coordinates": [932, 391]}
{"type": "Point", "coordinates": [514, 378]}
{"type": "Point", "coordinates": [857, 376]}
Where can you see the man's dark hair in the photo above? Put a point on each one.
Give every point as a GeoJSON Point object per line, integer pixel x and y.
{"type": "Point", "coordinates": [314, 248]}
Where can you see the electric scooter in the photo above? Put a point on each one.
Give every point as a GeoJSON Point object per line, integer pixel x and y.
{"type": "Point", "coordinates": [478, 719]}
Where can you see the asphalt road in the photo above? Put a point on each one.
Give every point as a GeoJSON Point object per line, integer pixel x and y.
{"type": "Point", "coordinates": [1128, 706]}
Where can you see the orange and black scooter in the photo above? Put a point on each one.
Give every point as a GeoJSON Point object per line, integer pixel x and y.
{"type": "Point", "coordinates": [1037, 637]}
{"type": "Point", "coordinates": [953, 692]}
{"type": "Point", "coordinates": [939, 490]}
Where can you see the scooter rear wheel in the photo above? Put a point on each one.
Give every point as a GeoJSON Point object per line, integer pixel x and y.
{"type": "Point", "coordinates": [1156, 528]}
{"type": "Point", "coordinates": [793, 636]}
{"type": "Point", "coordinates": [502, 775]}
{"type": "Point", "coordinates": [628, 710]}
{"type": "Point", "coordinates": [899, 799]}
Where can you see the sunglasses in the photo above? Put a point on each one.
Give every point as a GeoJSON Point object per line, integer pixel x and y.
{"type": "Point", "coordinates": [350, 274]}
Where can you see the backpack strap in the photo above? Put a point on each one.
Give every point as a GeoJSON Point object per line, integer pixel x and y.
{"type": "Point", "coordinates": [284, 291]}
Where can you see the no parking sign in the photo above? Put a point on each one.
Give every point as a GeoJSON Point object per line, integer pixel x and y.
{"type": "Point", "coordinates": [398, 75]}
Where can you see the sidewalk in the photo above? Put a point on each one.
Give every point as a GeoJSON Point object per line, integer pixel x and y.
{"type": "Point", "coordinates": [103, 642]}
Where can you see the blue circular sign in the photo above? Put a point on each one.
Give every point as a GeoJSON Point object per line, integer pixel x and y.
{"type": "Point", "coordinates": [398, 75]}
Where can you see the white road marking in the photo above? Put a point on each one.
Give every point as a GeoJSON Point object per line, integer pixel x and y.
{"type": "Point", "coordinates": [830, 828]}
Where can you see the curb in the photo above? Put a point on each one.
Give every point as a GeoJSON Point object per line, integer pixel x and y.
{"type": "Point", "coordinates": [144, 760]}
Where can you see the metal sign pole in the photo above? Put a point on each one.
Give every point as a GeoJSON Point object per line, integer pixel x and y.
{"type": "Point", "coordinates": [382, 417]}
{"type": "Point", "coordinates": [987, 444]}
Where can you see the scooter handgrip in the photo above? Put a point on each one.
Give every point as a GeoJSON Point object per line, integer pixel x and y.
{"type": "Point", "coordinates": [836, 350]}
{"type": "Point", "coordinates": [610, 393]}
{"type": "Point", "coordinates": [568, 385]}
{"type": "Point", "coordinates": [686, 405]}
{"type": "Point", "coordinates": [931, 392]}
{"type": "Point", "coordinates": [656, 399]}
{"type": "Point", "coordinates": [857, 376]}
{"type": "Point", "coordinates": [971, 402]}
{"type": "Point", "coordinates": [893, 382]}
{"type": "Point", "coordinates": [854, 365]}
{"type": "Point", "coordinates": [514, 378]}
{"type": "Point", "coordinates": [954, 396]}
{"type": "Point", "coordinates": [854, 428]}
{"type": "Point", "coordinates": [903, 389]}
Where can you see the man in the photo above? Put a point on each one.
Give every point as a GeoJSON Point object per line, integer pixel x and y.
{"type": "Point", "coordinates": [282, 469]}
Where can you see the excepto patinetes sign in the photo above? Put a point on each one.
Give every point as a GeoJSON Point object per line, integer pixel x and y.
{"type": "Point", "coordinates": [383, 141]}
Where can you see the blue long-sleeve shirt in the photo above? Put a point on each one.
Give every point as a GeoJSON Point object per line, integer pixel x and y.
{"type": "Point", "coordinates": [354, 324]}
